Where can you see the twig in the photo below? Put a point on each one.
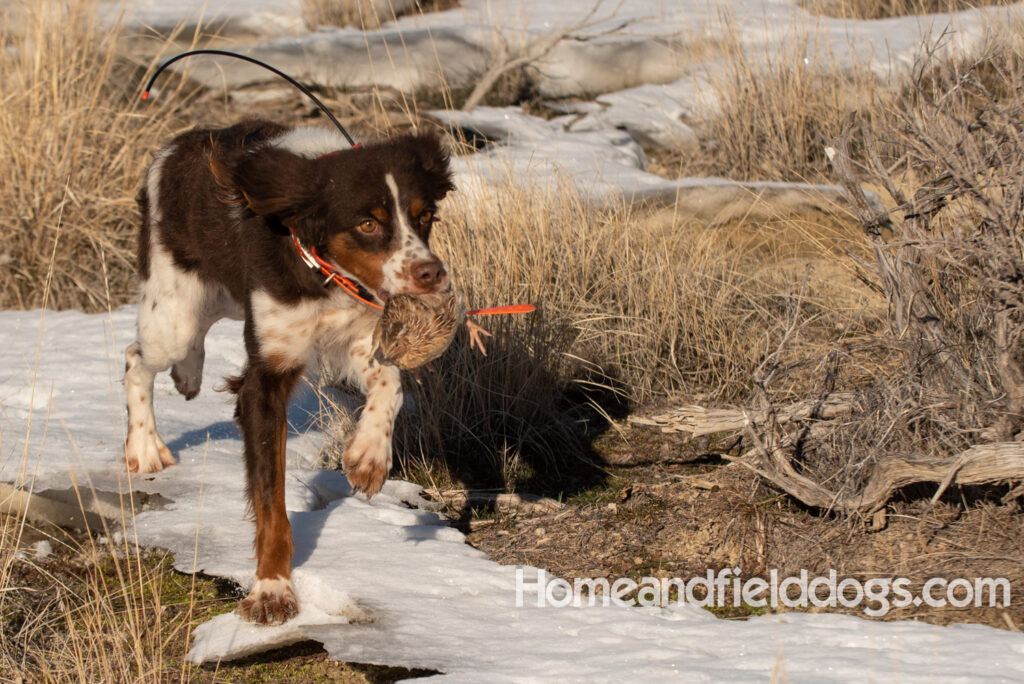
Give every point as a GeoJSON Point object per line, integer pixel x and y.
{"type": "Point", "coordinates": [504, 61]}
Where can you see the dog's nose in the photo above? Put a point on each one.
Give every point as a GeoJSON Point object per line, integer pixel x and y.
{"type": "Point", "coordinates": [428, 273]}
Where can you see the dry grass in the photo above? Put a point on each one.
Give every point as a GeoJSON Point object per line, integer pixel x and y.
{"type": "Point", "coordinates": [880, 9]}
{"type": "Point", "coordinates": [73, 142]}
{"type": "Point", "coordinates": [773, 114]}
{"type": "Point", "coordinates": [91, 613]}
{"type": "Point", "coordinates": [633, 305]}
{"type": "Point", "coordinates": [359, 13]}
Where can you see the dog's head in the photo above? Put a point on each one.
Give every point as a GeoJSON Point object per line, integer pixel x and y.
{"type": "Point", "coordinates": [369, 210]}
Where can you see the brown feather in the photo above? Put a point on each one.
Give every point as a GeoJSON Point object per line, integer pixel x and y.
{"type": "Point", "coordinates": [416, 329]}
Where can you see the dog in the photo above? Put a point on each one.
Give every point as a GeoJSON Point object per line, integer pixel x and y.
{"type": "Point", "coordinates": [228, 219]}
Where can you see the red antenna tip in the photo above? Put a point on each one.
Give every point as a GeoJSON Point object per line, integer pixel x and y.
{"type": "Point", "coordinates": [145, 94]}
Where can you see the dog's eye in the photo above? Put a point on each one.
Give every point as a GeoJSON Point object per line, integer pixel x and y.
{"type": "Point", "coordinates": [426, 218]}
{"type": "Point", "coordinates": [369, 226]}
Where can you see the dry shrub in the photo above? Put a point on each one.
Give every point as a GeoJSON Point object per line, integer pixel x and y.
{"type": "Point", "coordinates": [775, 113]}
{"type": "Point", "coordinates": [880, 9]}
{"type": "Point", "coordinates": [950, 372]}
{"type": "Point", "coordinates": [631, 306]}
{"type": "Point", "coordinates": [72, 139]}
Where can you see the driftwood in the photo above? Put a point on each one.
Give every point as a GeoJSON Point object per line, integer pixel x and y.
{"type": "Point", "coordinates": [771, 456]}
{"type": "Point", "coordinates": [982, 464]}
{"type": "Point", "coordinates": [698, 420]}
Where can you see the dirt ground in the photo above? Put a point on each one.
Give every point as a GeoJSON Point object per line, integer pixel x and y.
{"type": "Point", "coordinates": [670, 508]}
{"type": "Point", "coordinates": [678, 510]}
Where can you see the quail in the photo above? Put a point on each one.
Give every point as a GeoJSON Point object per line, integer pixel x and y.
{"type": "Point", "coordinates": [413, 330]}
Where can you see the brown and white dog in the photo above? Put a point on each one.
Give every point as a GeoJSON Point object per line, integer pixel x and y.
{"type": "Point", "coordinates": [217, 208]}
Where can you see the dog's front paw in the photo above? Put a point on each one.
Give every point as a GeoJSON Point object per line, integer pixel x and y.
{"type": "Point", "coordinates": [367, 463]}
{"type": "Point", "coordinates": [270, 602]}
{"type": "Point", "coordinates": [145, 453]}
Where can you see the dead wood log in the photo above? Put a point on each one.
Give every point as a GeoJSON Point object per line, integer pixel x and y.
{"type": "Point", "coordinates": [698, 420]}
{"type": "Point", "coordinates": [982, 464]}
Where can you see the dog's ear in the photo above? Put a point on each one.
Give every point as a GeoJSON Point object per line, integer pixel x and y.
{"type": "Point", "coordinates": [434, 161]}
{"type": "Point", "coordinates": [271, 182]}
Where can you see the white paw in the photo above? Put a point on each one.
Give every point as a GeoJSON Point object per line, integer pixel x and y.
{"type": "Point", "coordinates": [367, 461]}
{"type": "Point", "coordinates": [144, 452]}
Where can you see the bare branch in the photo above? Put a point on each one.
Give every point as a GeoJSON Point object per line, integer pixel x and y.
{"type": "Point", "coordinates": [503, 60]}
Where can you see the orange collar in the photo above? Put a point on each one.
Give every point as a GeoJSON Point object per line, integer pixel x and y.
{"type": "Point", "coordinates": [317, 263]}
{"type": "Point", "coordinates": [360, 292]}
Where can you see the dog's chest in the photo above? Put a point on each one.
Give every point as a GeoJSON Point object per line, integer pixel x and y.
{"type": "Point", "coordinates": [288, 333]}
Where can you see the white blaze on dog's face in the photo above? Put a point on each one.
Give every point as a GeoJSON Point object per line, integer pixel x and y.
{"type": "Point", "coordinates": [370, 209]}
{"type": "Point", "coordinates": [412, 268]}
{"type": "Point", "coordinates": [379, 232]}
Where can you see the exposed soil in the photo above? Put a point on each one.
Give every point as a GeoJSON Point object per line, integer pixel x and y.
{"type": "Point", "coordinates": [682, 511]}
{"type": "Point", "coordinates": [670, 508]}
{"type": "Point", "coordinates": [44, 591]}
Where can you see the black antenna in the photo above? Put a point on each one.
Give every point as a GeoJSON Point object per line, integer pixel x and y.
{"type": "Point", "coordinates": [306, 91]}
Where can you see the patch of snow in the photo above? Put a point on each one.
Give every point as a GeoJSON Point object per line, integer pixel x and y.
{"type": "Point", "coordinates": [622, 47]}
{"type": "Point", "coordinates": [604, 166]}
{"type": "Point", "coordinates": [260, 18]}
{"type": "Point", "coordinates": [633, 56]}
{"type": "Point", "coordinates": [652, 115]}
{"type": "Point", "coordinates": [384, 583]}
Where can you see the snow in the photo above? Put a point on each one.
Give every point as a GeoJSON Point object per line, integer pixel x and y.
{"type": "Point", "coordinates": [649, 92]}
{"type": "Point", "coordinates": [603, 166]}
{"type": "Point", "coordinates": [387, 582]}
{"type": "Point", "coordinates": [228, 17]}
{"type": "Point", "coordinates": [641, 43]}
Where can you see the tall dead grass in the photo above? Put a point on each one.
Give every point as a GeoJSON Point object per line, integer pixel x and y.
{"type": "Point", "coordinates": [632, 305]}
{"type": "Point", "coordinates": [69, 119]}
{"type": "Point", "coordinates": [362, 14]}
{"type": "Point", "coordinates": [102, 616]}
{"type": "Point", "coordinates": [880, 9]}
{"type": "Point", "coordinates": [774, 113]}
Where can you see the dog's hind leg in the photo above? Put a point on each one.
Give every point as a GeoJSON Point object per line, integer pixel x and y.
{"type": "Point", "coordinates": [188, 373]}
{"type": "Point", "coordinates": [173, 320]}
